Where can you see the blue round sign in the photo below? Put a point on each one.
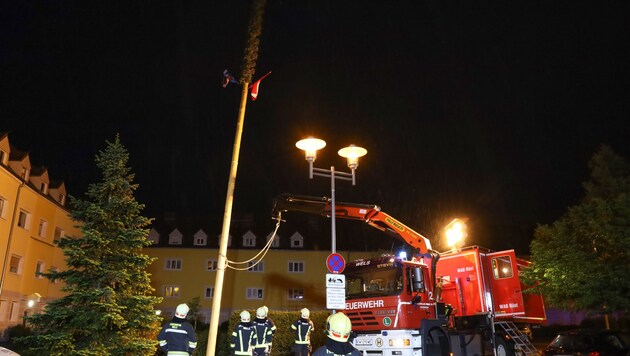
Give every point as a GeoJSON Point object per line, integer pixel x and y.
{"type": "Point", "coordinates": [335, 263]}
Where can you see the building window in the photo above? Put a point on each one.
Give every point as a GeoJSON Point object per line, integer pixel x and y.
{"type": "Point", "coordinates": [256, 266]}
{"type": "Point", "coordinates": [254, 293]}
{"type": "Point", "coordinates": [297, 241]}
{"type": "Point", "coordinates": [3, 210]}
{"type": "Point", "coordinates": [54, 269]}
{"type": "Point", "coordinates": [211, 265]}
{"type": "Point", "coordinates": [15, 265]}
{"type": "Point", "coordinates": [3, 156]}
{"type": "Point", "coordinates": [43, 226]}
{"type": "Point", "coordinates": [15, 311]}
{"type": "Point", "coordinates": [39, 268]}
{"type": "Point", "coordinates": [62, 199]}
{"type": "Point", "coordinates": [173, 264]}
{"type": "Point", "coordinates": [43, 187]}
{"type": "Point", "coordinates": [276, 240]}
{"type": "Point", "coordinates": [175, 238]}
{"type": "Point", "coordinates": [201, 239]}
{"type": "Point", "coordinates": [296, 266]}
{"type": "Point", "coordinates": [502, 267]}
{"type": "Point", "coordinates": [24, 220]}
{"type": "Point", "coordinates": [208, 292]}
{"type": "Point", "coordinates": [59, 233]}
{"type": "Point", "coordinates": [4, 309]}
{"type": "Point", "coordinates": [296, 294]}
{"type": "Point", "coordinates": [154, 237]}
{"type": "Point", "coordinates": [171, 291]}
{"type": "Point", "coordinates": [249, 239]}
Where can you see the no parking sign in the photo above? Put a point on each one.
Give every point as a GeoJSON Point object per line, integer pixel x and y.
{"type": "Point", "coordinates": [335, 263]}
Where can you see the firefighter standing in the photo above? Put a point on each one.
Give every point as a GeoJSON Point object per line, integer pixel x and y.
{"type": "Point", "coordinates": [265, 330]}
{"type": "Point", "coordinates": [178, 337]}
{"type": "Point", "coordinates": [338, 329]}
{"type": "Point", "coordinates": [302, 329]}
{"type": "Point", "coordinates": [244, 336]}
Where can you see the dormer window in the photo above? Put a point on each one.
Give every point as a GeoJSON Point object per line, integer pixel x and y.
{"type": "Point", "coordinates": [175, 238]}
{"type": "Point", "coordinates": [229, 240]}
{"type": "Point", "coordinates": [276, 240]}
{"type": "Point", "coordinates": [44, 188]}
{"type": "Point", "coordinates": [154, 237]}
{"type": "Point", "coordinates": [3, 157]}
{"type": "Point", "coordinates": [200, 238]}
{"type": "Point", "coordinates": [62, 199]}
{"type": "Point", "coordinates": [249, 239]}
{"type": "Point", "coordinates": [297, 240]}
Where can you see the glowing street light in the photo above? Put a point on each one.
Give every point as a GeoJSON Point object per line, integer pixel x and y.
{"type": "Point", "coordinates": [456, 232]}
{"type": "Point", "coordinates": [352, 153]}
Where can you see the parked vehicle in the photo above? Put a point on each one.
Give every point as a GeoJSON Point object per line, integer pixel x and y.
{"type": "Point", "coordinates": [587, 342]}
{"type": "Point", "coordinates": [456, 303]}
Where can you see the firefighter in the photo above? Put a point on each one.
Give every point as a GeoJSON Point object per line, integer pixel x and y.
{"type": "Point", "coordinates": [265, 330]}
{"type": "Point", "coordinates": [302, 329]}
{"type": "Point", "coordinates": [178, 337]}
{"type": "Point", "coordinates": [338, 328]}
{"type": "Point", "coordinates": [243, 336]}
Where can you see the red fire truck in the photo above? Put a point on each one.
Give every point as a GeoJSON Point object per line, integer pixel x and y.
{"type": "Point", "coordinates": [466, 302]}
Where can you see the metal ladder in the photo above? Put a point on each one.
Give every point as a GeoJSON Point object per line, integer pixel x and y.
{"type": "Point", "coordinates": [521, 341]}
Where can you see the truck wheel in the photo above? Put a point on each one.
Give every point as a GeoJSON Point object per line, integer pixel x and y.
{"type": "Point", "coordinates": [503, 348]}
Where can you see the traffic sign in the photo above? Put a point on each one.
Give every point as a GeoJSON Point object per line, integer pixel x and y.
{"type": "Point", "coordinates": [335, 280]}
{"type": "Point", "coordinates": [336, 298]}
{"type": "Point", "coordinates": [335, 263]}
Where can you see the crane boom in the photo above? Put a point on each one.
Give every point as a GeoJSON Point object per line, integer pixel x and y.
{"type": "Point", "coordinates": [368, 213]}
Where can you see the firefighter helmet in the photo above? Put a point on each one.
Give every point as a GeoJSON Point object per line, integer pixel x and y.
{"type": "Point", "coordinates": [181, 311]}
{"type": "Point", "coordinates": [261, 312]}
{"type": "Point", "coordinates": [245, 316]}
{"type": "Point", "coordinates": [338, 327]}
{"type": "Point", "coordinates": [305, 313]}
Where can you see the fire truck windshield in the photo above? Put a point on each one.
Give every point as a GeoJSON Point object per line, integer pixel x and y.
{"type": "Point", "coordinates": [368, 281]}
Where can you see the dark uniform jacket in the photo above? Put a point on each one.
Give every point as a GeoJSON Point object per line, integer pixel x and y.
{"type": "Point", "coordinates": [336, 348]}
{"type": "Point", "coordinates": [265, 329]}
{"type": "Point", "coordinates": [302, 328]}
{"type": "Point", "coordinates": [243, 339]}
{"type": "Point", "coordinates": [177, 337]}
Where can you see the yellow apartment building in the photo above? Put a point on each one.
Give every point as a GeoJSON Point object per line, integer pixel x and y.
{"type": "Point", "coordinates": [290, 276]}
{"type": "Point", "coordinates": [32, 216]}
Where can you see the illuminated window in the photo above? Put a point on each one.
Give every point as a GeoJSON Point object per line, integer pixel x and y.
{"type": "Point", "coordinates": [209, 292]}
{"type": "Point", "coordinates": [211, 265]}
{"type": "Point", "coordinates": [254, 293]}
{"type": "Point", "coordinates": [502, 267]}
{"type": "Point", "coordinates": [171, 291]}
{"type": "Point", "coordinates": [296, 267]}
{"type": "Point", "coordinates": [256, 266]}
{"type": "Point", "coordinates": [173, 264]}
{"type": "Point", "coordinates": [15, 265]}
{"type": "Point", "coordinates": [296, 294]}
{"type": "Point", "coordinates": [43, 226]}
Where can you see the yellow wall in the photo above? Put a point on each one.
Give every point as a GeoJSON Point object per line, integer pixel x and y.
{"type": "Point", "coordinates": [18, 288]}
{"type": "Point", "coordinates": [275, 279]}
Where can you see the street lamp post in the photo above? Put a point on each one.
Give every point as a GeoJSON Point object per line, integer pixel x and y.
{"type": "Point", "coordinates": [352, 153]}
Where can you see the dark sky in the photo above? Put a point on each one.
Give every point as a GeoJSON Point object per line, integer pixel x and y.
{"type": "Point", "coordinates": [484, 110]}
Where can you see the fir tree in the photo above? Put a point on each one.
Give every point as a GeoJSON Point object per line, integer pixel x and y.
{"type": "Point", "coordinates": [109, 306]}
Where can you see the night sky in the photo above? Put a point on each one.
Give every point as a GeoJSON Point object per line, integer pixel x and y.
{"type": "Point", "coordinates": [489, 111]}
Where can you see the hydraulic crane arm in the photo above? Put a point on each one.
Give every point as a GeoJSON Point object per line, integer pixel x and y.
{"type": "Point", "coordinates": [370, 214]}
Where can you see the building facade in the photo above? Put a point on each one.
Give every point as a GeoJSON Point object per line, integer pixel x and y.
{"type": "Point", "coordinates": [290, 275]}
{"type": "Point", "coordinates": [32, 217]}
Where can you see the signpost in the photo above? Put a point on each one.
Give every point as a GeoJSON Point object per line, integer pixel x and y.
{"type": "Point", "coordinates": [335, 291]}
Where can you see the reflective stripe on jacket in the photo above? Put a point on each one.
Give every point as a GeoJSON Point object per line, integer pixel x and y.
{"type": "Point", "coordinates": [303, 329]}
{"type": "Point", "coordinates": [265, 329]}
{"type": "Point", "coordinates": [243, 339]}
{"type": "Point", "coordinates": [177, 337]}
